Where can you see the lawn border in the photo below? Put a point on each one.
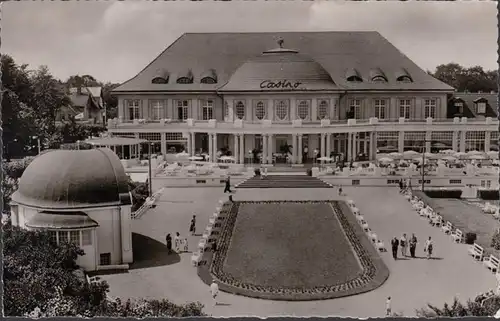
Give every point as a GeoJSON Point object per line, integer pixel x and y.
{"type": "Point", "coordinates": [374, 271]}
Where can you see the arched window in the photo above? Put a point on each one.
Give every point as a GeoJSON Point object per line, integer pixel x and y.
{"type": "Point", "coordinates": [208, 80]}
{"type": "Point", "coordinates": [354, 79]}
{"type": "Point", "coordinates": [260, 110]}
{"type": "Point", "coordinates": [323, 109]}
{"type": "Point", "coordinates": [379, 79]}
{"type": "Point", "coordinates": [282, 109]}
{"type": "Point", "coordinates": [184, 80]}
{"type": "Point", "coordinates": [303, 109]}
{"type": "Point", "coordinates": [240, 110]}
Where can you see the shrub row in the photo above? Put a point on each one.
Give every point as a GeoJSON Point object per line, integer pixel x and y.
{"type": "Point", "coordinates": [451, 193]}
{"type": "Point", "coordinates": [489, 195]}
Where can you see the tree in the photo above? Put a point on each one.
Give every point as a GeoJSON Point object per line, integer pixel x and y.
{"type": "Point", "coordinates": [82, 81]}
{"type": "Point", "coordinates": [110, 101]}
{"type": "Point", "coordinates": [473, 79]}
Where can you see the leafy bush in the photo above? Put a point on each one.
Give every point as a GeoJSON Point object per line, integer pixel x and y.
{"type": "Point", "coordinates": [495, 241]}
{"type": "Point", "coordinates": [478, 307]}
{"type": "Point", "coordinates": [450, 193]}
{"type": "Point", "coordinates": [489, 195]}
{"type": "Point", "coordinates": [140, 191]}
{"type": "Point", "coordinates": [16, 168]}
{"type": "Point", "coordinates": [470, 238]}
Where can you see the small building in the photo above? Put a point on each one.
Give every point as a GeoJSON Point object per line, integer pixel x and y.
{"type": "Point", "coordinates": [87, 106]}
{"type": "Point", "coordinates": [80, 197]}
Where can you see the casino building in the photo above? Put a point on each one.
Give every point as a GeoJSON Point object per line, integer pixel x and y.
{"type": "Point", "coordinates": [346, 93]}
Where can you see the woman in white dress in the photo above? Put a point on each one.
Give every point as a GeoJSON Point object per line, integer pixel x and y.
{"type": "Point", "coordinates": [428, 247]}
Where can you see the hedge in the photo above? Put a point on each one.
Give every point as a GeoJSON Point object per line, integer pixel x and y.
{"type": "Point", "coordinates": [489, 195]}
{"type": "Point", "coordinates": [450, 193]}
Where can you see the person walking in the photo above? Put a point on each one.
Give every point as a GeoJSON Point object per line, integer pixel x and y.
{"type": "Point", "coordinates": [413, 245]}
{"type": "Point", "coordinates": [192, 225]}
{"type": "Point", "coordinates": [227, 187]}
{"type": "Point", "coordinates": [400, 186]}
{"type": "Point", "coordinates": [340, 190]}
{"type": "Point", "coordinates": [428, 247]}
{"type": "Point", "coordinates": [395, 245]}
{"type": "Point", "coordinates": [177, 242]}
{"type": "Point", "coordinates": [186, 245]}
{"type": "Point", "coordinates": [388, 309]}
{"type": "Point", "coordinates": [403, 242]}
{"type": "Point", "coordinates": [169, 243]}
{"type": "Point", "coordinates": [214, 290]}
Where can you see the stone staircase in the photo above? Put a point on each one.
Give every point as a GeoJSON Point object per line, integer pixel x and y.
{"type": "Point", "coordinates": [284, 181]}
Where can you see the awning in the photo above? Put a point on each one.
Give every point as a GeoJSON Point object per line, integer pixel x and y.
{"type": "Point", "coordinates": [115, 141]}
{"type": "Point", "coordinates": [61, 220]}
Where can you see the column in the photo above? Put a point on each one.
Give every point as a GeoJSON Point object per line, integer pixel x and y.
{"type": "Point", "coordinates": [463, 136]}
{"type": "Point", "coordinates": [294, 148]}
{"type": "Point", "coordinates": [300, 148]}
{"type": "Point", "coordinates": [264, 149]}
{"type": "Point", "coordinates": [242, 149]}
{"type": "Point", "coordinates": [163, 144]}
{"type": "Point", "coordinates": [328, 144]}
{"type": "Point", "coordinates": [375, 141]}
{"type": "Point", "coordinates": [211, 147]}
{"type": "Point", "coordinates": [215, 148]}
{"type": "Point", "coordinates": [188, 144]}
{"type": "Point", "coordinates": [365, 145]}
{"type": "Point", "coordinates": [401, 142]}
{"type": "Point", "coordinates": [349, 146]}
{"type": "Point", "coordinates": [270, 149]}
{"type": "Point", "coordinates": [454, 141]}
{"type": "Point", "coordinates": [487, 138]}
{"type": "Point", "coordinates": [235, 150]}
{"type": "Point", "coordinates": [354, 146]}
{"type": "Point", "coordinates": [370, 157]}
{"type": "Point", "coordinates": [428, 137]}
{"type": "Point", "coordinates": [193, 144]}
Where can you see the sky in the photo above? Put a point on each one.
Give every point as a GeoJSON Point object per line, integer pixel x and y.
{"type": "Point", "coordinates": [113, 41]}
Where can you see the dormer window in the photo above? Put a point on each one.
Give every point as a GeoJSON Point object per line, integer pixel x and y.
{"type": "Point", "coordinates": [459, 106]}
{"type": "Point", "coordinates": [161, 77]}
{"type": "Point", "coordinates": [354, 79]}
{"type": "Point", "coordinates": [481, 107]}
{"type": "Point", "coordinates": [208, 80]}
{"type": "Point", "coordinates": [184, 80]}
{"type": "Point", "coordinates": [379, 79]}
{"type": "Point", "coordinates": [352, 75]}
{"type": "Point", "coordinates": [159, 80]}
{"type": "Point", "coordinates": [404, 79]}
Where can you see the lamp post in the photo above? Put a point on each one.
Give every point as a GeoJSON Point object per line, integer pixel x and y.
{"type": "Point", "coordinates": [150, 171]}
{"type": "Point", "coordinates": [78, 145]}
{"type": "Point", "coordinates": [38, 144]}
{"type": "Point", "coordinates": [423, 162]}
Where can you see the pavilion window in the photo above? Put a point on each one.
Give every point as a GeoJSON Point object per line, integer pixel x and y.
{"type": "Point", "coordinates": [323, 107]}
{"type": "Point", "coordinates": [404, 108]}
{"type": "Point", "coordinates": [303, 109]}
{"type": "Point", "coordinates": [63, 237]}
{"type": "Point", "coordinates": [208, 109]}
{"type": "Point", "coordinates": [53, 236]}
{"type": "Point", "coordinates": [156, 109]}
{"type": "Point", "coordinates": [430, 108]}
{"type": "Point", "coordinates": [182, 110]}
{"type": "Point", "coordinates": [355, 108]}
{"type": "Point", "coordinates": [133, 109]}
{"type": "Point", "coordinates": [260, 110]}
{"type": "Point", "coordinates": [282, 109]}
{"type": "Point", "coordinates": [74, 237]}
{"type": "Point", "coordinates": [86, 237]}
{"type": "Point", "coordinates": [240, 110]}
{"type": "Point", "coordinates": [380, 105]}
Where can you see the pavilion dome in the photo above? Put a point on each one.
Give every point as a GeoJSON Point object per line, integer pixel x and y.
{"type": "Point", "coordinates": [69, 179]}
{"type": "Point", "coordinates": [280, 65]}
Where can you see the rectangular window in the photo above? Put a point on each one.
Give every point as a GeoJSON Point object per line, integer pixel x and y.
{"type": "Point", "coordinates": [53, 236]}
{"type": "Point", "coordinates": [63, 237]}
{"type": "Point", "coordinates": [430, 108]}
{"type": "Point", "coordinates": [74, 237]}
{"type": "Point", "coordinates": [86, 237]}
{"type": "Point", "coordinates": [404, 108]}
{"type": "Point", "coordinates": [182, 110]}
{"type": "Point", "coordinates": [380, 108]}
{"type": "Point", "coordinates": [481, 108]}
{"type": "Point", "coordinates": [459, 106]}
{"type": "Point", "coordinates": [455, 181]}
{"type": "Point", "coordinates": [207, 109]}
{"type": "Point", "coordinates": [355, 182]}
{"type": "Point", "coordinates": [105, 259]}
{"type": "Point", "coordinates": [355, 108]}
{"type": "Point", "coordinates": [156, 108]}
{"type": "Point", "coordinates": [133, 109]}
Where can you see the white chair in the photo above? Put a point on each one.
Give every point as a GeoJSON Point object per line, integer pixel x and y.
{"type": "Point", "coordinates": [380, 246]}
{"type": "Point", "coordinates": [211, 221]}
{"type": "Point", "coordinates": [202, 244]}
{"type": "Point", "coordinates": [364, 225]}
{"type": "Point", "coordinates": [360, 218]}
{"type": "Point", "coordinates": [195, 258]}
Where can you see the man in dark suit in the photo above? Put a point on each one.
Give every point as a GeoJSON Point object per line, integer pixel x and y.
{"type": "Point", "coordinates": [395, 245]}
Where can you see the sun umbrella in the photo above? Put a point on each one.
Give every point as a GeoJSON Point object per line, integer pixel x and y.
{"type": "Point", "coordinates": [395, 155]}
{"type": "Point", "coordinates": [439, 145]}
{"type": "Point", "coordinates": [182, 154]}
{"type": "Point", "coordinates": [492, 154]}
{"type": "Point", "coordinates": [410, 154]}
{"type": "Point", "coordinates": [474, 152]}
{"type": "Point", "coordinates": [385, 160]}
{"type": "Point", "coordinates": [195, 158]}
{"type": "Point", "coordinates": [460, 155]}
{"type": "Point", "coordinates": [477, 157]}
{"type": "Point", "coordinates": [325, 159]}
{"type": "Point", "coordinates": [430, 155]}
{"type": "Point", "coordinates": [447, 151]}
{"type": "Point", "coordinates": [449, 158]}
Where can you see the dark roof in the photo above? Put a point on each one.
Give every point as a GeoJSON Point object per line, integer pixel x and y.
{"type": "Point", "coordinates": [336, 52]}
{"type": "Point", "coordinates": [66, 179]}
{"type": "Point", "coordinates": [280, 65]}
{"type": "Point", "coordinates": [469, 99]}
{"type": "Point", "coordinates": [61, 220]}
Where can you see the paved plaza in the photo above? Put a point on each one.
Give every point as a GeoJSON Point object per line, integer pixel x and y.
{"type": "Point", "coordinates": [411, 284]}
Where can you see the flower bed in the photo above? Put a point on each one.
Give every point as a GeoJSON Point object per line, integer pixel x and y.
{"type": "Point", "coordinates": [351, 264]}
